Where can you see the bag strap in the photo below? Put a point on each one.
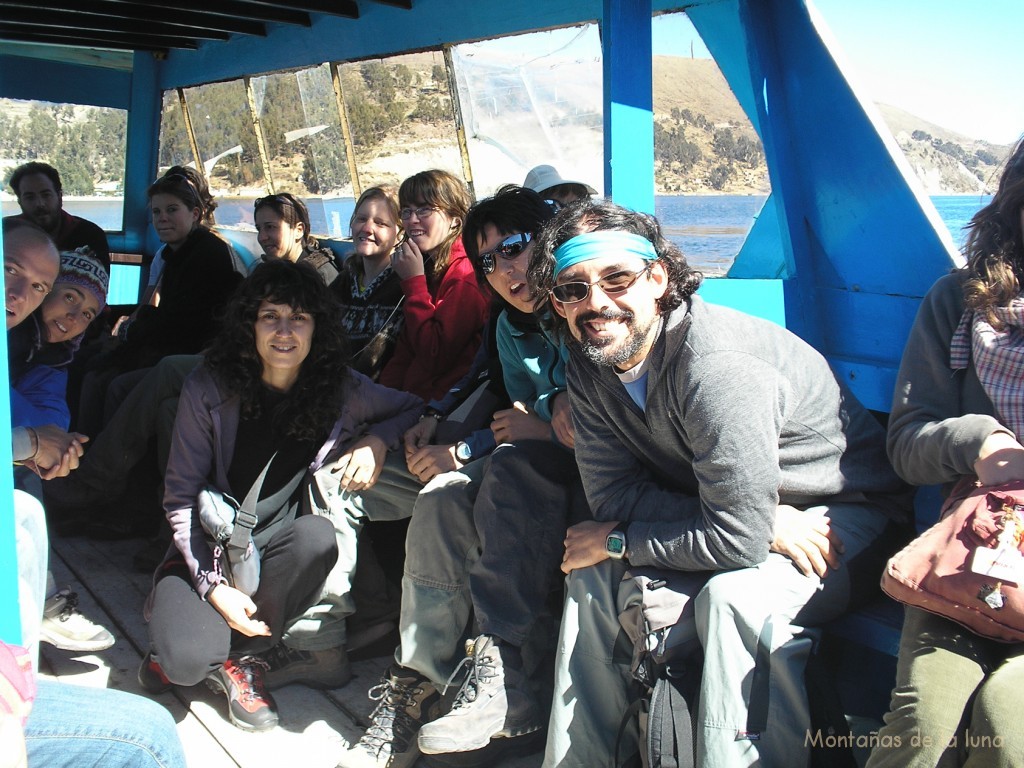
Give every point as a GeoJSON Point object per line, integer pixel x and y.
{"type": "Point", "coordinates": [246, 517]}
{"type": "Point", "coordinates": [637, 706]}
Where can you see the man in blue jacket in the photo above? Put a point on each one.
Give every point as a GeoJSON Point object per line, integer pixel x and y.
{"type": "Point", "coordinates": [484, 542]}
{"type": "Point", "coordinates": [40, 442]}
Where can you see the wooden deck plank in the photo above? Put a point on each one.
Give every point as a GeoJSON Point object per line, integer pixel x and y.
{"type": "Point", "coordinates": [318, 725]}
{"type": "Point", "coordinates": [117, 666]}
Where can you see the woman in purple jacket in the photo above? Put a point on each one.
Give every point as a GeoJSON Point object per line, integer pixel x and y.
{"type": "Point", "coordinates": [274, 394]}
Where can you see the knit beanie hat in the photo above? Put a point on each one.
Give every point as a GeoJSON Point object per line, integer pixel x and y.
{"type": "Point", "coordinates": [81, 268]}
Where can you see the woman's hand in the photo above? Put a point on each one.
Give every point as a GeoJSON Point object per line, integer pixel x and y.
{"type": "Point", "coordinates": [432, 460]}
{"type": "Point", "coordinates": [585, 544]}
{"type": "Point", "coordinates": [807, 539]}
{"type": "Point", "coordinates": [1000, 460]}
{"type": "Point", "coordinates": [407, 260]}
{"type": "Point", "coordinates": [419, 435]}
{"type": "Point", "coordinates": [361, 464]}
{"type": "Point", "coordinates": [237, 609]}
{"type": "Point", "coordinates": [561, 420]}
{"type": "Point", "coordinates": [517, 423]}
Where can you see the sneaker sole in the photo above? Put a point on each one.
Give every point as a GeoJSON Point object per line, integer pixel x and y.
{"type": "Point", "coordinates": [215, 685]}
{"type": "Point", "coordinates": [497, 749]}
{"type": "Point", "coordinates": [65, 644]}
{"type": "Point", "coordinates": [504, 733]}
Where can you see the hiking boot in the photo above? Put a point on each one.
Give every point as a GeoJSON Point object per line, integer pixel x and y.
{"type": "Point", "coordinates": [324, 669]}
{"type": "Point", "coordinates": [65, 627]}
{"type": "Point", "coordinates": [151, 677]}
{"type": "Point", "coordinates": [405, 701]}
{"type": "Point", "coordinates": [250, 707]}
{"type": "Point", "coordinates": [493, 702]}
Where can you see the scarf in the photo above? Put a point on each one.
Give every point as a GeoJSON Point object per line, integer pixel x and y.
{"type": "Point", "coordinates": [998, 359]}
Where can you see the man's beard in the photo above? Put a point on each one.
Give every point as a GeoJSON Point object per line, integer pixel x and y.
{"type": "Point", "coordinates": [601, 352]}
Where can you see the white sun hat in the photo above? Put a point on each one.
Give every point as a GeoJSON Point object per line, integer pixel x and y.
{"type": "Point", "coordinates": [544, 177]}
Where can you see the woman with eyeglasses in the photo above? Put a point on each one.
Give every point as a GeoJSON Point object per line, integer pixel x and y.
{"type": "Point", "coordinates": [283, 232]}
{"type": "Point", "coordinates": [445, 310]}
{"type": "Point", "coordinates": [368, 288]}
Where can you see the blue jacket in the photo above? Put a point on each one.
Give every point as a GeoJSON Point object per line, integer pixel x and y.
{"type": "Point", "coordinates": [38, 397]}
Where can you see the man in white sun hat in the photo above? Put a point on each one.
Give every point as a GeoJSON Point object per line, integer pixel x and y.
{"type": "Point", "coordinates": [548, 183]}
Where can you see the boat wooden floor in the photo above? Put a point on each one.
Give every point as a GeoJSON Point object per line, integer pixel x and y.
{"type": "Point", "coordinates": [316, 727]}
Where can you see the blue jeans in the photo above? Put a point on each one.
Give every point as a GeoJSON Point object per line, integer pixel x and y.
{"type": "Point", "coordinates": [79, 727]}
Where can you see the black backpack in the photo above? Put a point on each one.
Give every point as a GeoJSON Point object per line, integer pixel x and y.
{"type": "Point", "coordinates": [666, 667]}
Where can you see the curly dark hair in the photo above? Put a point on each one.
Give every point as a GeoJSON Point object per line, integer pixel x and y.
{"type": "Point", "coordinates": [595, 215]}
{"type": "Point", "coordinates": [315, 401]}
{"type": "Point", "coordinates": [995, 243]}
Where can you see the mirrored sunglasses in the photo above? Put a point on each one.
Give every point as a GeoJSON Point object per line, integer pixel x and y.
{"type": "Point", "coordinates": [508, 249]}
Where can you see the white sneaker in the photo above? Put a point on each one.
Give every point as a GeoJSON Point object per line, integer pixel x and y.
{"type": "Point", "coordinates": [65, 627]}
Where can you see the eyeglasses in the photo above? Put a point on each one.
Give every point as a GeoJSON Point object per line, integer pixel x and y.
{"type": "Point", "coordinates": [423, 212]}
{"type": "Point", "coordinates": [613, 285]}
{"type": "Point", "coordinates": [508, 249]}
{"type": "Point", "coordinates": [554, 205]}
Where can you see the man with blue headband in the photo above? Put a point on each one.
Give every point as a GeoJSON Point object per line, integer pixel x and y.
{"type": "Point", "coordinates": [714, 444]}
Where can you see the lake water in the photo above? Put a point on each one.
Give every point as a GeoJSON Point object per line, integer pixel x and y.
{"type": "Point", "coordinates": [709, 228]}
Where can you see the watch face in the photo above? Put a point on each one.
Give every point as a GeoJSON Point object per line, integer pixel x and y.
{"type": "Point", "coordinates": [615, 544]}
{"type": "Point", "coordinates": [463, 452]}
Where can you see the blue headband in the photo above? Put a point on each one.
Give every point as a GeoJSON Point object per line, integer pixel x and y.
{"type": "Point", "coordinates": [604, 242]}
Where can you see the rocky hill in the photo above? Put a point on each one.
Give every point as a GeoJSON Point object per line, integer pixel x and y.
{"type": "Point", "coordinates": [705, 144]}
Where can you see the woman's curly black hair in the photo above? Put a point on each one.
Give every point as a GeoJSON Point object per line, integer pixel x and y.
{"type": "Point", "coordinates": [594, 215]}
{"type": "Point", "coordinates": [315, 401]}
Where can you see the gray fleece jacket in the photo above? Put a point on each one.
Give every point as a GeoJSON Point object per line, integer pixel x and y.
{"type": "Point", "coordinates": [940, 417]}
{"type": "Point", "coordinates": [741, 415]}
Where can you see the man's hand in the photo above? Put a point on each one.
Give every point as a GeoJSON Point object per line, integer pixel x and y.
{"type": "Point", "coordinates": [561, 420]}
{"type": "Point", "coordinates": [807, 539]}
{"type": "Point", "coordinates": [57, 452]}
{"type": "Point", "coordinates": [585, 544]}
{"type": "Point", "coordinates": [1000, 460]}
{"type": "Point", "coordinates": [361, 464]}
{"type": "Point", "coordinates": [237, 608]}
{"type": "Point", "coordinates": [419, 435]}
{"type": "Point", "coordinates": [517, 423]}
{"type": "Point", "coordinates": [432, 460]}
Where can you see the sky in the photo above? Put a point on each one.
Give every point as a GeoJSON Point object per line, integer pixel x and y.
{"type": "Point", "coordinates": [955, 63]}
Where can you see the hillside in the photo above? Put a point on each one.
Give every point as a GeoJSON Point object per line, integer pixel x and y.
{"type": "Point", "coordinates": [694, 109]}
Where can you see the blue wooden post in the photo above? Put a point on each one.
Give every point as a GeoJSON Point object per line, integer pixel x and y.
{"type": "Point", "coordinates": [10, 623]}
{"type": "Point", "coordinates": [628, 103]}
{"type": "Point", "coordinates": [144, 109]}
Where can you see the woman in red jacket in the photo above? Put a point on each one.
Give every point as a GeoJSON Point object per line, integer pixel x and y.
{"type": "Point", "coordinates": [445, 310]}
